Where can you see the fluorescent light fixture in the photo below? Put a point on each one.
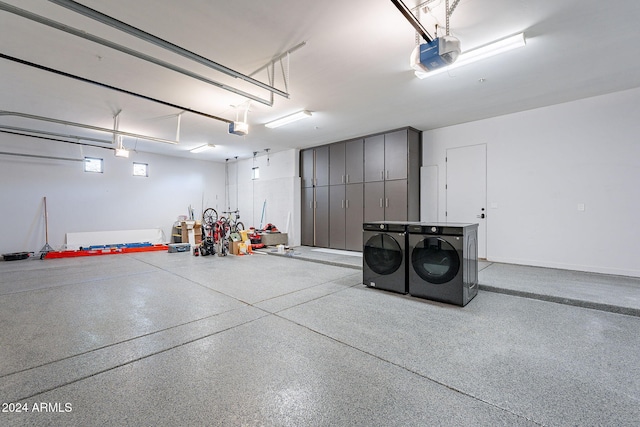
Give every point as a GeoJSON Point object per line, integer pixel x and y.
{"type": "Point", "coordinates": [486, 51]}
{"type": "Point", "coordinates": [122, 152]}
{"type": "Point", "coordinates": [202, 148]}
{"type": "Point", "coordinates": [289, 119]}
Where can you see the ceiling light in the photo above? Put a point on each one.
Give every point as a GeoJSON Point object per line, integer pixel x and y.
{"type": "Point", "coordinates": [202, 148]}
{"type": "Point", "coordinates": [477, 54]}
{"type": "Point", "coordinates": [289, 119]}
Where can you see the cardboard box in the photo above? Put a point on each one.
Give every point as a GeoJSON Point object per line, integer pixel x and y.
{"type": "Point", "coordinates": [197, 232]}
{"type": "Point", "coordinates": [234, 248]}
{"type": "Point", "coordinates": [191, 232]}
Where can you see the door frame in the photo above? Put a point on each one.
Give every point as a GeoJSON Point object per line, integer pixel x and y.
{"type": "Point", "coordinates": [483, 223]}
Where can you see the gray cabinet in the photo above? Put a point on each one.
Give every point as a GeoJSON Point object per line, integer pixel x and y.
{"type": "Point", "coordinates": [354, 211]}
{"type": "Point", "coordinates": [374, 158]}
{"type": "Point", "coordinates": [321, 231]}
{"type": "Point", "coordinates": [346, 216]}
{"type": "Point", "coordinates": [337, 216]}
{"type": "Point", "coordinates": [346, 164]}
{"type": "Point", "coordinates": [392, 176]}
{"type": "Point", "coordinates": [373, 201]}
{"type": "Point", "coordinates": [395, 201]}
{"type": "Point", "coordinates": [321, 166]}
{"type": "Point", "coordinates": [315, 216]}
{"type": "Point", "coordinates": [396, 151]}
{"type": "Point", "coordinates": [314, 167]}
{"type": "Point", "coordinates": [366, 179]}
{"type": "Point", "coordinates": [307, 217]}
{"type": "Point", "coordinates": [337, 156]}
{"type": "Point", "coordinates": [386, 156]}
{"type": "Point", "coordinates": [314, 173]}
{"type": "Point", "coordinates": [307, 173]}
{"type": "Point", "coordinates": [386, 201]}
{"type": "Point", "coordinates": [354, 161]}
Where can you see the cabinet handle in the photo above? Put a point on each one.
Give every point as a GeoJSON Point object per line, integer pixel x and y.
{"type": "Point", "coordinates": [343, 179]}
{"type": "Point", "coordinates": [342, 203]}
{"type": "Point", "coordinates": [347, 204]}
{"type": "Point", "coordinates": [311, 205]}
{"type": "Point", "coordinates": [387, 174]}
{"type": "Point", "coordinates": [380, 201]}
{"type": "Point", "coordinates": [347, 178]}
{"type": "Point", "coordinates": [381, 174]}
{"type": "Point", "coordinates": [315, 205]}
{"type": "Point", "coordinates": [386, 202]}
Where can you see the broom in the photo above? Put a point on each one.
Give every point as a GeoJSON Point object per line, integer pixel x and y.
{"type": "Point", "coordinates": [46, 248]}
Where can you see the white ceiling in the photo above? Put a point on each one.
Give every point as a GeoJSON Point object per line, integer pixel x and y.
{"type": "Point", "coordinates": [353, 72]}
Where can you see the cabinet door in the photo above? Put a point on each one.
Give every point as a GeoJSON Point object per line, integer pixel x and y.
{"type": "Point", "coordinates": [373, 201]}
{"type": "Point", "coordinates": [354, 216]}
{"type": "Point", "coordinates": [307, 217]}
{"type": "Point", "coordinates": [336, 163]}
{"type": "Point", "coordinates": [396, 155]}
{"type": "Point", "coordinates": [374, 158]}
{"type": "Point", "coordinates": [354, 161]}
{"type": "Point", "coordinates": [395, 194]}
{"type": "Point", "coordinates": [336, 216]}
{"type": "Point", "coordinates": [306, 167]}
{"type": "Point", "coordinates": [322, 217]}
{"type": "Point", "coordinates": [322, 166]}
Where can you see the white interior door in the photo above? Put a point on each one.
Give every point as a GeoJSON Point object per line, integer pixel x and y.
{"type": "Point", "coordinates": [466, 189]}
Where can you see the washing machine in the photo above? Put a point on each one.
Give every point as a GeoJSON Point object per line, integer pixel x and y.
{"type": "Point", "coordinates": [383, 255]}
{"type": "Point", "coordinates": [443, 261]}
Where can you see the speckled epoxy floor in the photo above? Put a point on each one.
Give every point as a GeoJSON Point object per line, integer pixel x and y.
{"type": "Point", "coordinates": [172, 339]}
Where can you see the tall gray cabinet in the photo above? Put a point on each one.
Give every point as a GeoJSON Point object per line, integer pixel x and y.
{"type": "Point", "coordinates": [392, 176]}
{"type": "Point", "coordinates": [347, 183]}
{"type": "Point", "coordinates": [346, 174]}
{"type": "Point", "coordinates": [314, 171]}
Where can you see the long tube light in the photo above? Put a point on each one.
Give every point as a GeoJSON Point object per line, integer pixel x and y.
{"type": "Point", "coordinates": [303, 114]}
{"type": "Point", "coordinates": [495, 48]}
{"type": "Point", "coordinates": [202, 148]}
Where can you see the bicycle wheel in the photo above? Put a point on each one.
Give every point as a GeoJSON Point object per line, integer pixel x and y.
{"type": "Point", "coordinates": [239, 226]}
{"type": "Point", "coordinates": [210, 216]}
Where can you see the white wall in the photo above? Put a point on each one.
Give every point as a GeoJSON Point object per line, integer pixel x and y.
{"type": "Point", "coordinates": [278, 186]}
{"type": "Point", "coordinates": [543, 163]}
{"type": "Point", "coordinates": [78, 201]}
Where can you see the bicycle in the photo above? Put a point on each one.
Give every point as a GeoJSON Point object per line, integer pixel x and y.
{"type": "Point", "coordinates": [232, 219]}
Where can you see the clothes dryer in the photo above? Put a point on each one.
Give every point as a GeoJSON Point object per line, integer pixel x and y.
{"type": "Point", "coordinates": [443, 261]}
{"type": "Point", "coordinates": [383, 255]}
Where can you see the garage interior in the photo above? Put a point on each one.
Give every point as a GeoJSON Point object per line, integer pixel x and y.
{"type": "Point", "coordinates": [543, 139]}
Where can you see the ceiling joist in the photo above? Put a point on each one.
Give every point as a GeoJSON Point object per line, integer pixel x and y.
{"type": "Point", "coordinates": [150, 38]}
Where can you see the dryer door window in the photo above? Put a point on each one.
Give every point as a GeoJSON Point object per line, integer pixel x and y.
{"type": "Point", "coordinates": [435, 260]}
{"type": "Point", "coordinates": [383, 254]}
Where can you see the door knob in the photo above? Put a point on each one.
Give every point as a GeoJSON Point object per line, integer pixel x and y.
{"type": "Point", "coordinates": [480, 216]}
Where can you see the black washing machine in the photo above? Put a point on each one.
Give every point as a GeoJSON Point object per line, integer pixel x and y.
{"type": "Point", "coordinates": [383, 255]}
{"type": "Point", "coordinates": [443, 261]}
